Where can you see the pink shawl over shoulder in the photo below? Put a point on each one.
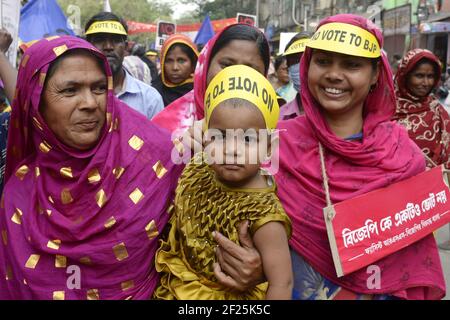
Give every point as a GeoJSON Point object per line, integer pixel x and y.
{"type": "Point", "coordinates": [385, 155]}
{"type": "Point", "coordinates": [81, 224]}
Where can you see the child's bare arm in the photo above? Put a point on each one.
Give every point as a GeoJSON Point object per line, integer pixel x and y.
{"type": "Point", "coordinates": [272, 243]}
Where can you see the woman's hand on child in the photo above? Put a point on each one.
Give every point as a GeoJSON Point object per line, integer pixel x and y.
{"type": "Point", "coordinates": [193, 137]}
{"type": "Point", "coordinates": [239, 267]}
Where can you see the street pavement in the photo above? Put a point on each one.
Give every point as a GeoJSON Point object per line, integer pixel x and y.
{"type": "Point", "coordinates": [443, 236]}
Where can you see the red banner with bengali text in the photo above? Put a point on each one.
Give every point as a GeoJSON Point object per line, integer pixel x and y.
{"type": "Point", "coordinates": [367, 228]}
{"type": "Point", "coordinates": [139, 27]}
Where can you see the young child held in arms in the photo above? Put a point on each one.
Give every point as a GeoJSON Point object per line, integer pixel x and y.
{"type": "Point", "coordinates": [219, 189]}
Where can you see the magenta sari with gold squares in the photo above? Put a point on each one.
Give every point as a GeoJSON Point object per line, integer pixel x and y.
{"type": "Point", "coordinates": [81, 224]}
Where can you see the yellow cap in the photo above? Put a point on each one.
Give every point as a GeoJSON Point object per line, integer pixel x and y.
{"type": "Point", "coordinates": [106, 27]}
{"type": "Point", "coordinates": [347, 39]}
{"type": "Point", "coordinates": [246, 83]}
{"type": "Point", "coordinates": [297, 47]}
{"type": "Point", "coordinates": [151, 53]}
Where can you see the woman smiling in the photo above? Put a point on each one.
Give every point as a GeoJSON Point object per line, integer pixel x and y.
{"type": "Point", "coordinates": [343, 147]}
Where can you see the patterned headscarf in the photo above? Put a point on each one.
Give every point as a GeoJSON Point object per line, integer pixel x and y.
{"type": "Point", "coordinates": [168, 43]}
{"type": "Point", "coordinates": [170, 92]}
{"type": "Point", "coordinates": [384, 156]}
{"type": "Point", "coordinates": [93, 214]}
{"type": "Point", "coordinates": [426, 120]}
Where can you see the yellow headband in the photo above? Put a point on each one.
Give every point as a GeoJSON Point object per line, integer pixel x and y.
{"type": "Point", "coordinates": [347, 39]}
{"type": "Point", "coordinates": [297, 47]}
{"type": "Point", "coordinates": [106, 27]}
{"type": "Point", "coordinates": [246, 83]}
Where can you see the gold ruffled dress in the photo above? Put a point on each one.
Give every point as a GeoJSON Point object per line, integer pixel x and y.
{"type": "Point", "coordinates": [203, 205]}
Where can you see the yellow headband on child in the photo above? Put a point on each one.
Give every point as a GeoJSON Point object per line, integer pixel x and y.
{"type": "Point", "coordinates": [297, 47]}
{"type": "Point", "coordinates": [246, 83]}
{"type": "Point", "coordinates": [107, 27]}
{"type": "Point", "coordinates": [347, 39]}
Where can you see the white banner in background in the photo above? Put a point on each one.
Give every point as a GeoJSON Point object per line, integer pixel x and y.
{"type": "Point", "coordinates": [9, 19]}
{"type": "Point", "coordinates": [285, 37]}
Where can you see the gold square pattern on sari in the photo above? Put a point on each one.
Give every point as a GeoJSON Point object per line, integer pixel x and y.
{"type": "Point", "coordinates": [58, 295]}
{"type": "Point", "coordinates": [22, 172]}
{"type": "Point", "coordinates": [118, 171]}
{"type": "Point", "coordinates": [100, 198]}
{"type": "Point", "coordinates": [120, 251]}
{"type": "Point", "coordinates": [66, 172]}
{"type": "Point", "coordinates": [17, 216]}
{"type": "Point", "coordinates": [110, 222]}
{"type": "Point", "coordinates": [136, 196]}
{"type": "Point", "coordinates": [32, 261]}
{"type": "Point", "coordinates": [92, 294]}
{"type": "Point", "coordinates": [45, 147]}
{"type": "Point", "coordinates": [94, 176]}
{"type": "Point", "coordinates": [60, 50]}
{"type": "Point", "coordinates": [127, 285]}
{"type": "Point", "coordinates": [54, 244]}
{"type": "Point", "coordinates": [66, 196]}
{"type": "Point", "coordinates": [151, 230]}
{"type": "Point", "coordinates": [136, 143]}
{"type": "Point", "coordinates": [60, 261]}
{"type": "Point", "coordinates": [159, 169]}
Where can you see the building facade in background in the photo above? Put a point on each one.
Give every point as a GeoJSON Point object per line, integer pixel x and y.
{"type": "Point", "coordinates": [278, 16]}
{"type": "Point", "coordinates": [409, 24]}
{"type": "Point", "coordinates": [406, 24]}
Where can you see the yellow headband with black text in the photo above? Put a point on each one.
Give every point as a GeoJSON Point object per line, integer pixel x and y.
{"type": "Point", "coordinates": [246, 83]}
{"type": "Point", "coordinates": [106, 27]}
{"type": "Point", "coordinates": [297, 47]}
{"type": "Point", "coordinates": [346, 39]}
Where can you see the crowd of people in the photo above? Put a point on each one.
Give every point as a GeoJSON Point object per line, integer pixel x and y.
{"type": "Point", "coordinates": [88, 174]}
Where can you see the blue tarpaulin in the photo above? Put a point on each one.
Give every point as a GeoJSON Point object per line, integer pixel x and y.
{"type": "Point", "coordinates": [205, 33]}
{"type": "Point", "coordinates": [42, 18]}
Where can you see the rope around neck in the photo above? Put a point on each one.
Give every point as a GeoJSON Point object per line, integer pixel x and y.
{"type": "Point", "coordinates": [324, 176]}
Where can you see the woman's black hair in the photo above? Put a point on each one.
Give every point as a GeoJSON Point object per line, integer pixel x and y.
{"type": "Point", "coordinates": [105, 16]}
{"type": "Point", "coordinates": [187, 50]}
{"type": "Point", "coordinates": [247, 33]}
{"type": "Point", "coordinates": [298, 36]}
{"type": "Point", "coordinates": [54, 65]}
{"type": "Point", "coordinates": [279, 61]}
{"type": "Point", "coordinates": [437, 70]}
{"type": "Point", "coordinates": [375, 62]}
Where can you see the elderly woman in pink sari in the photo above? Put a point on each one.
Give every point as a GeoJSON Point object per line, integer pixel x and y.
{"type": "Point", "coordinates": [87, 184]}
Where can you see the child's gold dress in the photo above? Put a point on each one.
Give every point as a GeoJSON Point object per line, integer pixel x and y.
{"type": "Point", "coordinates": [203, 205]}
